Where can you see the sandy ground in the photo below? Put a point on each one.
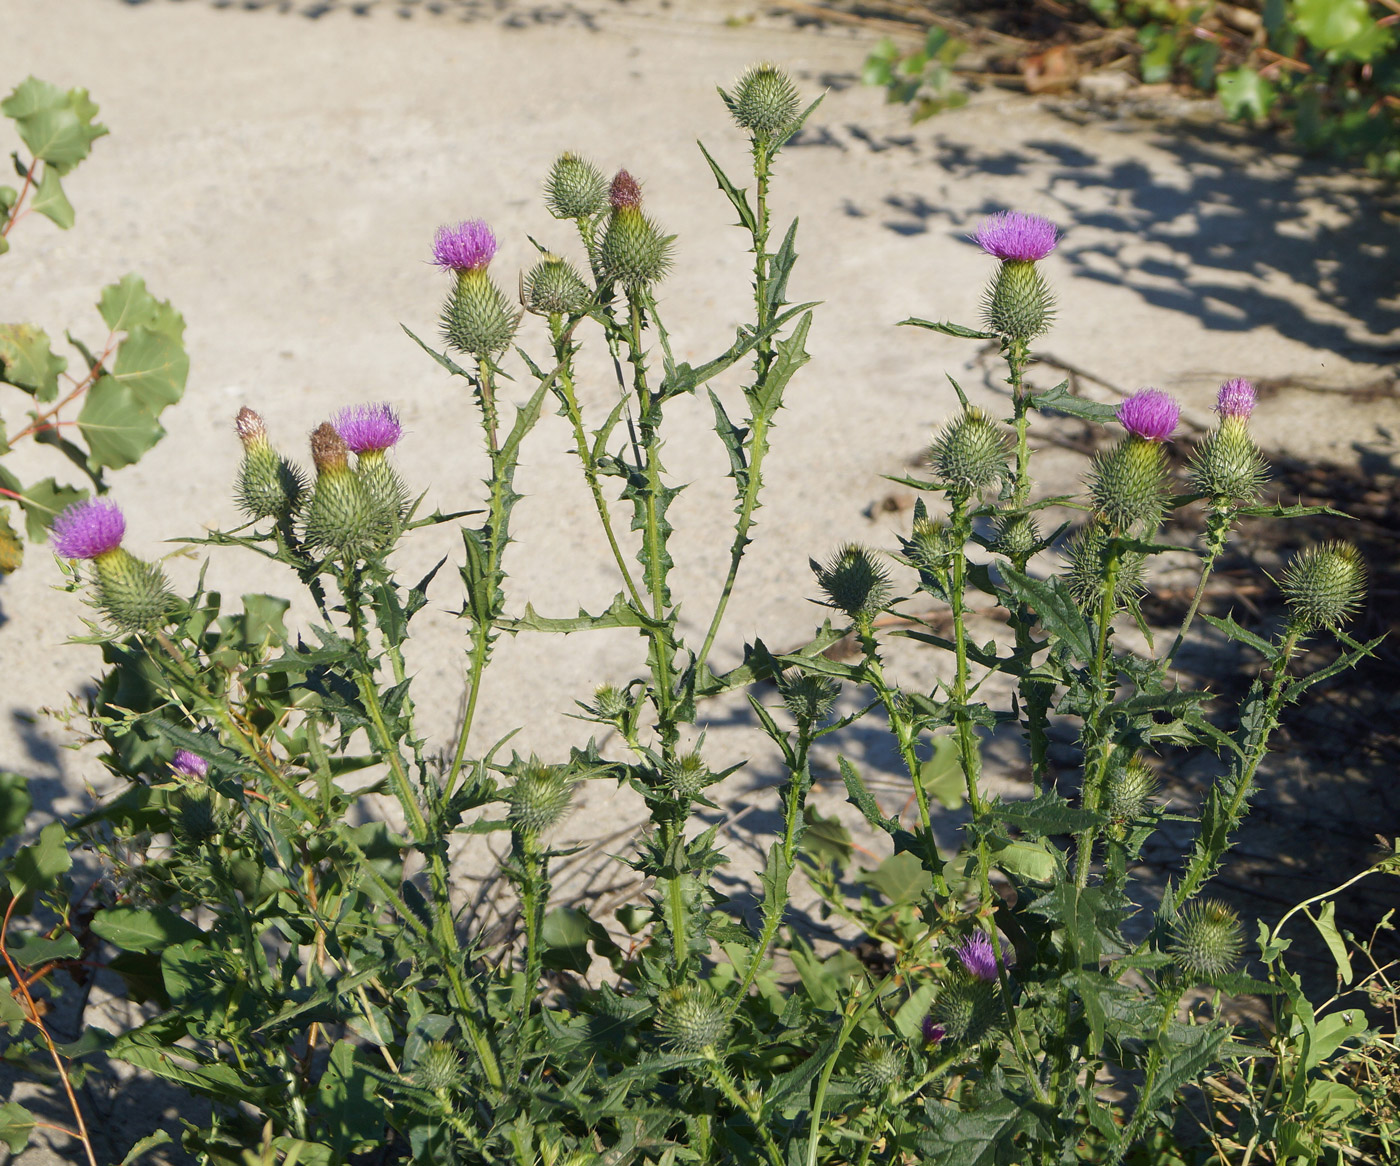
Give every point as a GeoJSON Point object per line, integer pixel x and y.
{"type": "Point", "coordinates": [279, 180]}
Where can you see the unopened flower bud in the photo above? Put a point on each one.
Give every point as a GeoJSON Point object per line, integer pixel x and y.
{"type": "Point", "coordinates": [1207, 940]}
{"type": "Point", "coordinates": [688, 775]}
{"type": "Point", "coordinates": [438, 1069]}
{"type": "Point", "coordinates": [634, 252]}
{"type": "Point", "coordinates": [1325, 586]}
{"type": "Point", "coordinates": [369, 431]}
{"type": "Point", "coordinates": [970, 454]}
{"type": "Point", "coordinates": [539, 798]}
{"type": "Point", "coordinates": [268, 486]}
{"type": "Point", "coordinates": [1128, 483]}
{"type": "Point", "coordinates": [339, 518]}
{"type": "Point", "coordinates": [575, 188]}
{"type": "Point", "coordinates": [1017, 535]}
{"type": "Point", "coordinates": [131, 593]}
{"type": "Point", "coordinates": [878, 1066]}
{"type": "Point", "coordinates": [1129, 790]}
{"type": "Point", "coordinates": [610, 703]}
{"type": "Point", "coordinates": [765, 101]}
{"type": "Point", "coordinates": [197, 818]}
{"type": "Point", "coordinates": [966, 1008]}
{"type": "Point", "coordinates": [1228, 467]}
{"type": "Point", "coordinates": [854, 582]}
{"type": "Point", "coordinates": [553, 287]}
{"type": "Point", "coordinates": [691, 1019]}
{"type": "Point", "coordinates": [808, 696]}
{"type": "Point", "coordinates": [1088, 569]}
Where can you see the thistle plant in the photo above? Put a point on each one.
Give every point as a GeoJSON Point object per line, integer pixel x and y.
{"type": "Point", "coordinates": [317, 970]}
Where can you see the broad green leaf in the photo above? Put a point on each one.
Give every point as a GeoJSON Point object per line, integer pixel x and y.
{"type": "Point", "coordinates": [1026, 860]}
{"type": "Point", "coordinates": [152, 359]}
{"type": "Point", "coordinates": [127, 304]}
{"type": "Point", "coordinates": [16, 1122]}
{"type": "Point", "coordinates": [900, 878]}
{"type": "Point", "coordinates": [1341, 28]}
{"type": "Point", "coordinates": [1056, 609]}
{"type": "Point", "coordinates": [941, 776]}
{"type": "Point", "coordinates": [11, 545]}
{"type": "Point", "coordinates": [826, 838]}
{"type": "Point", "coordinates": [909, 1020]}
{"type": "Point", "coordinates": [349, 1102]}
{"type": "Point", "coordinates": [135, 930]}
{"type": "Point", "coordinates": [145, 1146]}
{"type": "Point", "coordinates": [1326, 923]}
{"type": "Point", "coordinates": [55, 124]}
{"type": "Point", "coordinates": [1046, 813]}
{"type": "Point", "coordinates": [15, 803]}
{"type": "Point", "coordinates": [980, 1137]}
{"type": "Point", "coordinates": [28, 363]}
{"type": "Point", "coordinates": [50, 201]}
{"type": "Point", "coordinates": [118, 424]}
{"type": "Point", "coordinates": [566, 932]}
{"type": "Point", "coordinates": [1242, 91]}
{"type": "Point", "coordinates": [1331, 1032]}
{"type": "Point", "coordinates": [35, 867]}
{"type": "Point", "coordinates": [43, 502]}
{"type": "Point", "coordinates": [29, 951]}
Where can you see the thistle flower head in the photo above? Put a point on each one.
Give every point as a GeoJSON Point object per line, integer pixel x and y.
{"type": "Point", "coordinates": [1128, 791]}
{"type": "Point", "coordinates": [250, 428]}
{"type": "Point", "coordinates": [933, 1031]}
{"type": "Point", "coordinates": [966, 1009]}
{"type": "Point", "coordinates": [539, 798]}
{"type": "Point", "coordinates": [368, 428]}
{"type": "Point", "coordinates": [88, 529]}
{"type": "Point", "coordinates": [878, 1066]}
{"type": "Point", "coordinates": [1017, 236]}
{"type": "Point", "coordinates": [854, 582]}
{"type": "Point", "coordinates": [1149, 414]}
{"type": "Point", "coordinates": [466, 246]}
{"type": "Point", "coordinates": [1325, 585]}
{"type": "Point", "coordinates": [624, 192]}
{"type": "Point", "coordinates": [809, 696]}
{"type": "Point", "coordinates": [690, 1018]}
{"type": "Point", "coordinates": [554, 287]}
{"type": "Point", "coordinates": [970, 453]}
{"type": "Point", "coordinates": [1207, 940]}
{"type": "Point", "coordinates": [688, 774]}
{"type": "Point", "coordinates": [328, 449]}
{"type": "Point", "coordinates": [189, 764]}
{"type": "Point", "coordinates": [1235, 399]}
{"type": "Point", "coordinates": [575, 188]}
{"type": "Point", "coordinates": [976, 955]}
{"type": "Point", "coordinates": [765, 101]}
{"type": "Point", "coordinates": [438, 1069]}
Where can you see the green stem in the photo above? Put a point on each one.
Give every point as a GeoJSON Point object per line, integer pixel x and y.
{"type": "Point", "coordinates": [533, 889]}
{"type": "Point", "coordinates": [969, 754]}
{"type": "Point", "coordinates": [1217, 531]}
{"type": "Point", "coordinates": [1097, 744]}
{"type": "Point", "coordinates": [741, 1103]}
{"type": "Point", "coordinates": [849, 1022]}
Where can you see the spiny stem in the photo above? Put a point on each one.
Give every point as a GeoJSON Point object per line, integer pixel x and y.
{"type": "Point", "coordinates": [1096, 727]}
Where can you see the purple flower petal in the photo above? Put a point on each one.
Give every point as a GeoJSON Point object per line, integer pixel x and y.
{"type": "Point", "coordinates": [467, 246]}
{"type": "Point", "coordinates": [1014, 235]}
{"type": "Point", "coordinates": [933, 1033]}
{"type": "Point", "coordinates": [1149, 414]}
{"type": "Point", "coordinates": [978, 957]}
{"type": "Point", "coordinates": [190, 764]}
{"type": "Point", "coordinates": [1236, 399]}
{"type": "Point", "coordinates": [368, 428]}
{"type": "Point", "coordinates": [88, 529]}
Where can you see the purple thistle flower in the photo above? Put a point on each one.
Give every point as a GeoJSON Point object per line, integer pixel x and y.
{"type": "Point", "coordinates": [190, 764]}
{"type": "Point", "coordinates": [1236, 399]}
{"type": "Point", "coordinates": [368, 428]}
{"type": "Point", "coordinates": [88, 529]}
{"type": "Point", "coordinates": [978, 957]}
{"type": "Point", "coordinates": [1018, 236]}
{"type": "Point", "coordinates": [1149, 414]}
{"type": "Point", "coordinates": [933, 1033]}
{"type": "Point", "coordinates": [468, 246]}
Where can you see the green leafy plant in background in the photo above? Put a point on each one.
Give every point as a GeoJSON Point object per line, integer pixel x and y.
{"type": "Point", "coordinates": [276, 882]}
{"type": "Point", "coordinates": [1325, 71]}
{"type": "Point", "coordinates": [123, 384]}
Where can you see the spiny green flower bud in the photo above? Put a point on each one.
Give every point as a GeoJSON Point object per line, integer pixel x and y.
{"type": "Point", "coordinates": [388, 496]}
{"type": "Point", "coordinates": [687, 774]}
{"type": "Point", "coordinates": [1129, 789]}
{"type": "Point", "coordinates": [1207, 940]}
{"type": "Point", "coordinates": [1128, 483]}
{"type": "Point", "coordinates": [340, 518]}
{"type": "Point", "coordinates": [690, 1019]}
{"type": "Point", "coordinates": [930, 545]}
{"type": "Point", "coordinates": [1018, 304]}
{"type": "Point", "coordinates": [539, 798]}
{"type": "Point", "coordinates": [268, 485]}
{"type": "Point", "coordinates": [1017, 535]}
{"type": "Point", "coordinates": [765, 101]}
{"type": "Point", "coordinates": [131, 593]}
{"type": "Point", "coordinates": [575, 188]}
{"type": "Point", "coordinates": [854, 582]}
{"type": "Point", "coordinates": [1325, 586]}
{"type": "Point", "coordinates": [970, 454]}
{"type": "Point", "coordinates": [809, 696]}
{"type": "Point", "coordinates": [1088, 569]}
{"type": "Point", "coordinates": [477, 318]}
{"type": "Point", "coordinates": [197, 818]}
{"type": "Point", "coordinates": [553, 287]}
{"type": "Point", "coordinates": [1228, 467]}
{"type": "Point", "coordinates": [878, 1066]}
{"type": "Point", "coordinates": [439, 1069]}
{"type": "Point", "coordinates": [610, 703]}
{"type": "Point", "coordinates": [966, 1008]}
{"type": "Point", "coordinates": [634, 251]}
